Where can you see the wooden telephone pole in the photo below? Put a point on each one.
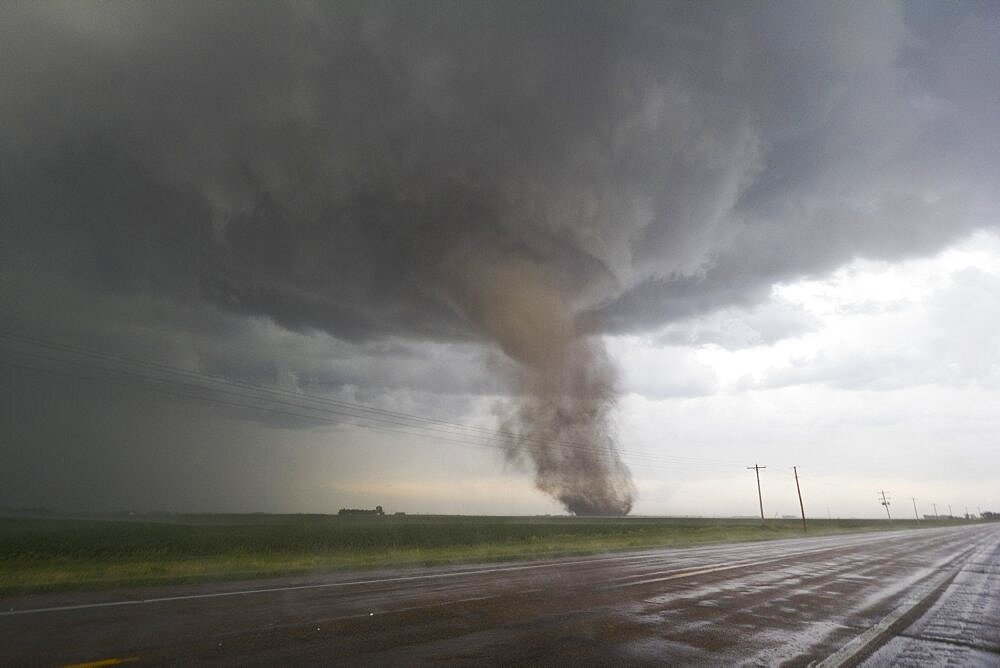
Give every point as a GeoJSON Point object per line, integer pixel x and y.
{"type": "Point", "coordinates": [760, 498]}
{"type": "Point", "coordinates": [799, 490]}
{"type": "Point", "coordinates": [885, 502]}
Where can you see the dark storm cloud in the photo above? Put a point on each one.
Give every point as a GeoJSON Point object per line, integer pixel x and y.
{"type": "Point", "coordinates": [321, 164]}
{"type": "Point", "coordinates": [363, 169]}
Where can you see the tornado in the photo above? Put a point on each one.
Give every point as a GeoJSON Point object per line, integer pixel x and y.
{"type": "Point", "coordinates": [557, 422]}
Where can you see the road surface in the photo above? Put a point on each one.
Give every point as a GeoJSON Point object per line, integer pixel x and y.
{"type": "Point", "coordinates": [835, 599]}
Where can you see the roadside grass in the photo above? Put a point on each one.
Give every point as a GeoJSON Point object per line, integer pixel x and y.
{"type": "Point", "coordinates": [59, 554]}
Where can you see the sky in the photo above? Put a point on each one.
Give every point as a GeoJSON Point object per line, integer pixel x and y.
{"type": "Point", "coordinates": [483, 257]}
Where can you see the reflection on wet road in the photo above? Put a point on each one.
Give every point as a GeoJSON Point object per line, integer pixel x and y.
{"type": "Point", "coordinates": [794, 601]}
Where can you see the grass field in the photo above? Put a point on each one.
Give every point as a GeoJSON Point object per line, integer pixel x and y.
{"type": "Point", "coordinates": [49, 554]}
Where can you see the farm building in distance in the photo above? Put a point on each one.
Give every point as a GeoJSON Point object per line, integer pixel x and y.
{"type": "Point", "coordinates": [361, 511]}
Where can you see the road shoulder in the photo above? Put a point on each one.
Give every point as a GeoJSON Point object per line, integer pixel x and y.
{"type": "Point", "coordinates": [961, 628]}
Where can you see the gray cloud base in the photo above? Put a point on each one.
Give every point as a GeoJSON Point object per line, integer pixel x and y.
{"type": "Point", "coordinates": [319, 164]}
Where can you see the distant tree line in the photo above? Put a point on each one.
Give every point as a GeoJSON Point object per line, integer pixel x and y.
{"type": "Point", "coordinates": [988, 515]}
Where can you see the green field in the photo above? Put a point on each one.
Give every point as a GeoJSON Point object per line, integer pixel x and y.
{"type": "Point", "coordinates": [50, 554]}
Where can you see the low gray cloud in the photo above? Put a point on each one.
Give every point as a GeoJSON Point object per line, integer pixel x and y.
{"type": "Point", "coordinates": [733, 329]}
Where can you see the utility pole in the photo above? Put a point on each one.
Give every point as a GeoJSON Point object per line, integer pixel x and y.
{"type": "Point", "coordinates": [950, 514]}
{"type": "Point", "coordinates": [915, 515]}
{"type": "Point", "coordinates": [935, 510]}
{"type": "Point", "coordinates": [885, 502]}
{"type": "Point", "coordinates": [799, 490]}
{"type": "Point", "coordinates": [760, 498]}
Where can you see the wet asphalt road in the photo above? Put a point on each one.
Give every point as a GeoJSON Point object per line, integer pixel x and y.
{"type": "Point", "coordinates": [961, 627]}
{"type": "Point", "coordinates": [791, 601]}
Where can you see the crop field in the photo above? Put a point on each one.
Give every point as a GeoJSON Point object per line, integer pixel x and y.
{"type": "Point", "coordinates": [100, 552]}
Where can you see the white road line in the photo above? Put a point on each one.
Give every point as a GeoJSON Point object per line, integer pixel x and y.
{"type": "Point", "coordinates": [897, 620]}
{"type": "Point", "coordinates": [320, 585]}
{"type": "Point", "coordinates": [411, 578]}
{"type": "Point", "coordinates": [329, 585]}
{"type": "Point", "coordinates": [877, 634]}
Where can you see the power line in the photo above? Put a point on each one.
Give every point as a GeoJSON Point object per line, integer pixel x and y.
{"type": "Point", "coordinates": [90, 365]}
{"type": "Point", "coordinates": [336, 406]}
{"type": "Point", "coordinates": [215, 400]}
{"type": "Point", "coordinates": [208, 378]}
{"type": "Point", "coordinates": [192, 385]}
{"type": "Point", "coordinates": [303, 413]}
